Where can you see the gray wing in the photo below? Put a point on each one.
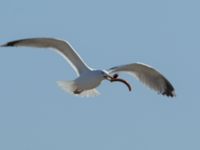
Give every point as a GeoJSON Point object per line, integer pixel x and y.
{"type": "Point", "coordinates": [62, 47]}
{"type": "Point", "coordinates": [148, 75]}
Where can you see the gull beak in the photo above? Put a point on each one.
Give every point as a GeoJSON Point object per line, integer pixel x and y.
{"type": "Point", "coordinates": [108, 77]}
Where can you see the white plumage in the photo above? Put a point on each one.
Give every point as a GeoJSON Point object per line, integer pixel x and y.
{"type": "Point", "coordinates": [88, 79]}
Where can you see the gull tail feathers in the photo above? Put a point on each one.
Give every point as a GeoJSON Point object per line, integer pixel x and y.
{"type": "Point", "coordinates": [70, 87]}
{"type": "Point", "coordinates": [67, 86]}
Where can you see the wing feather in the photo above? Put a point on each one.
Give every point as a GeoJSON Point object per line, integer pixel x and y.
{"type": "Point", "coordinates": [148, 75]}
{"type": "Point", "coordinates": [62, 47]}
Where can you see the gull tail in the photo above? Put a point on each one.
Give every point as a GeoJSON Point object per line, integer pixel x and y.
{"type": "Point", "coordinates": [67, 86]}
{"type": "Point", "coordinates": [71, 88]}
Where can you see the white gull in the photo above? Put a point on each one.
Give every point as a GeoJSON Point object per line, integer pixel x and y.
{"type": "Point", "coordinates": [88, 79]}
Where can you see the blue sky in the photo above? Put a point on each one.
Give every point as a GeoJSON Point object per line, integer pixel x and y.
{"type": "Point", "coordinates": [36, 114]}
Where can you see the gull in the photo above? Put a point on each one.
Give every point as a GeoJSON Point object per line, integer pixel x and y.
{"type": "Point", "coordinates": [88, 79]}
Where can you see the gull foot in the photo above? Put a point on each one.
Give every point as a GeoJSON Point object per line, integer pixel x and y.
{"type": "Point", "coordinates": [78, 91]}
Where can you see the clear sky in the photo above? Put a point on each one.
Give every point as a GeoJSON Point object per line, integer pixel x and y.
{"type": "Point", "coordinates": [36, 115]}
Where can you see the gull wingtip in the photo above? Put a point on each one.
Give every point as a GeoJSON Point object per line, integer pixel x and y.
{"type": "Point", "coordinates": [169, 93]}
{"type": "Point", "coordinates": [8, 44]}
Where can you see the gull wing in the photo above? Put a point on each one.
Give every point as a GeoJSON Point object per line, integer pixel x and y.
{"type": "Point", "coordinates": [62, 47]}
{"type": "Point", "coordinates": [148, 75]}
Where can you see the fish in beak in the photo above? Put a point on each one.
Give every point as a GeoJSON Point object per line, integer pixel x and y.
{"type": "Point", "coordinates": [116, 79]}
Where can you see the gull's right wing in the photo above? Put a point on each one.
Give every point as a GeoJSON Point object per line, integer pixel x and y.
{"type": "Point", "coordinates": [62, 47]}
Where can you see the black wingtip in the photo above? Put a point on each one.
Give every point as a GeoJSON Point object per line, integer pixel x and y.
{"type": "Point", "coordinates": [9, 44]}
{"type": "Point", "coordinates": [169, 90]}
{"type": "Point", "coordinates": [169, 93]}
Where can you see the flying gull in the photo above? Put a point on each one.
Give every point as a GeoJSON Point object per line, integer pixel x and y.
{"type": "Point", "coordinates": [89, 79]}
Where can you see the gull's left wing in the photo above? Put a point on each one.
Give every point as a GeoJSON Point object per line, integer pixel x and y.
{"type": "Point", "coordinates": [148, 75]}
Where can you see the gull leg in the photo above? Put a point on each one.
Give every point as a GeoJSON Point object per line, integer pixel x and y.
{"type": "Point", "coordinates": [78, 91]}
